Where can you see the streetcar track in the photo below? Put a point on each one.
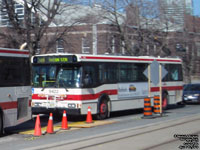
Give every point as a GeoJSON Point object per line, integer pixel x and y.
{"type": "Point", "coordinates": [140, 134]}
{"type": "Point", "coordinates": [167, 142]}
{"type": "Point", "coordinates": [117, 139]}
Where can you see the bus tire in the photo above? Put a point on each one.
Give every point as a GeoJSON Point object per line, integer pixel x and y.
{"type": "Point", "coordinates": [1, 123]}
{"type": "Point", "coordinates": [165, 100]}
{"type": "Point", "coordinates": [103, 109]}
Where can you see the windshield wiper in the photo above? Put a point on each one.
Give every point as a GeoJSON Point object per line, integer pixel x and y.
{"type": "Point", "coordinates": [65, 87]}
{"type": "Point", "coordinates": [43, 88]}
{"type": "Point", "coordinates": [57, 85]}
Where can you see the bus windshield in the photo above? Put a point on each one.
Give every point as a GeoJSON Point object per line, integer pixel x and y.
{"type": "Point", "coordinates": [56, 76]}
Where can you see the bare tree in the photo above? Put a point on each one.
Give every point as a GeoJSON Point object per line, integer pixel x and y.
{"type": "Point", "coordinates": [39, 21]}
{"type": "Point", "coordinates": [183, 37]}
{"type": "Point", "coordinates": [187, 47]}
{"type": "Point", "coordinates": [140, 26]}
{"type": "Point", "coordinates": [146, 27]}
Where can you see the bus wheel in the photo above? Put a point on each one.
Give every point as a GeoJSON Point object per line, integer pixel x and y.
{"type": "Point", "coordinates": [165, 101]}
{"type": "Point", "coordinates": [1, 124]}
{"type": "Point", "coordinates": [103, 110]}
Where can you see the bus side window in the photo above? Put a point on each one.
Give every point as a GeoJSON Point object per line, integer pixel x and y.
{"type": "Point", "coordinates": [102, 73]}
{"type": "Point", "coordinates": [174, 72]}
{"type": "Point", "coordinates": [174, 75]}
{"type": "Point", "coordinates": [87, 79]}
{"type": "Point", "coordinates": [89, 76]}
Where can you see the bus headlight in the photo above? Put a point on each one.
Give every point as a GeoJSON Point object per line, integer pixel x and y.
{"type": "Point", "coordinates": [33, 104]}
{"type": "Point", "coordinates": [71, 105]}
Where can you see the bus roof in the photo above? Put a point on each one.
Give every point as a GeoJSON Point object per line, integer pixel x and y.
{"type": "Point", "coordinates": [113, 58]}
{"type": "Point", "coordinates": [13, 52]}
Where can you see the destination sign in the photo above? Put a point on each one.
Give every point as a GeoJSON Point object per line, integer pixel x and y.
{"type": "Point", "coordinates": [54, 59]}
{"type": "Point", "coordinates": [59, 59]}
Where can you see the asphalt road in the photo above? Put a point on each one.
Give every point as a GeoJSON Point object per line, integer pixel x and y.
{"type": "Point", "coordinates": [124, 128]}
{"type": "Point", "coordinates": [165, 136]}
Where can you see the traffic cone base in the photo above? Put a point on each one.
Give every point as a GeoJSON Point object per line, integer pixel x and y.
{"type": "Point", "coordinates": [37, 131]}
{"type": "Point", "coordinates": [50, 124]}
{"type": "Point", "coordinates": [64, 121]}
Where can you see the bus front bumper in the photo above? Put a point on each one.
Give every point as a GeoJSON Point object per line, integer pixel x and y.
{"type": "Point", "coordinates": [43, 110]}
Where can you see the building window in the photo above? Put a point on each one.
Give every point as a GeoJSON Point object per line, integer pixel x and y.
{"type": "Point", "coordinates": [38, 50]}
{"type": "Point", "coordinates": [85, 45]}
{"type": "Point", "coordinates": [60, 46]}
{"type": "Point", "coordinates": [198, 48]}
{"type": "Point", "coordinates": [123, 47]}
{"type": "Point", "coordinates": [4, 18]}
{"type": "Point", "coordinates": [113, 44]}
{"type": "Point", "coordinates": [19, 11]}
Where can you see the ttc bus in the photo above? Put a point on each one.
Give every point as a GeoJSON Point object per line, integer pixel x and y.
{"type": "Point", "coordinates": [15, 87]}
{"type": "Point", "coordinates": [105, 83]}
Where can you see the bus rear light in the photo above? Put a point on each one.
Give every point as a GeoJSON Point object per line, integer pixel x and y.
{"type": "Point", "coordinates": [32, 104]}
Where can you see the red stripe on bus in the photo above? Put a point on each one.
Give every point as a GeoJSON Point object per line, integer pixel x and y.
{"type": "Point", "coordinates": [36, 96]}
{"type": "Point", "coordinates": [14, 52]}
{"type": "Point", "coordinates": [91, 96]}
{"type": "Point", "coordinates": [168, 88]}
{"type": "Point", "coordinates": [109, 92]}
{"type": "Point", "coordinates": [82, 97]}
{"type": "Point", "coordinates": [169, 60]}
{"type": "Point", "coordinates": [8, 105]}
{"type": "Point", "coordinates": [137, 59]}
{"type": "Point", "coordinates": [11, 105]}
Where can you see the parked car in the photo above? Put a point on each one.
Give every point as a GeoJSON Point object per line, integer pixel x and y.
{"type": "Point", "coordinates": [191, 93]}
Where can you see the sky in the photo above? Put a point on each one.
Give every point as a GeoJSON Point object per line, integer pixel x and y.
{"type": "Point", "coordinates": [196, 5]}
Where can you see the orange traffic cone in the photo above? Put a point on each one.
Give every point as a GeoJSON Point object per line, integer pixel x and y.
{"type": "Point", "coordinates": [50, 124]}
{"type": "Point", "coordinates": [89, 116]}
{"type": "Point", "coordinates": [64, 121]}
{"type": "Point", "coordinates": [38, 131]}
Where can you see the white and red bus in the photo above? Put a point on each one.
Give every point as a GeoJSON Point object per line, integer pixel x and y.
{"type": "Point", "coordinates": [105, 83]}
{"type": "Point", "coordinates": [15, 87]}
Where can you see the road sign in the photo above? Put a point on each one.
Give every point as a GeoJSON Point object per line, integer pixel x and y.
{"type": "Point", "coordinates": [164, 71]}
{"type": "Point", "coordinates": [155, 72]}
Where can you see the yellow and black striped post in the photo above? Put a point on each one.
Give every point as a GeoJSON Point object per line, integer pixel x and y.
{"type": "Point", "coordinates": [156, 108]}
{"type": "Point", "coordinates": [147, 108]}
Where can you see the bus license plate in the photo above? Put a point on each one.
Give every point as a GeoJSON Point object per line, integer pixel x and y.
{"type": "Point", "coordinates": [50, 105]}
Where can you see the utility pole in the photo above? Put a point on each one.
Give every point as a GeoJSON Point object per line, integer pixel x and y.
{"type": "Point", "coordinates": [94, 38]}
